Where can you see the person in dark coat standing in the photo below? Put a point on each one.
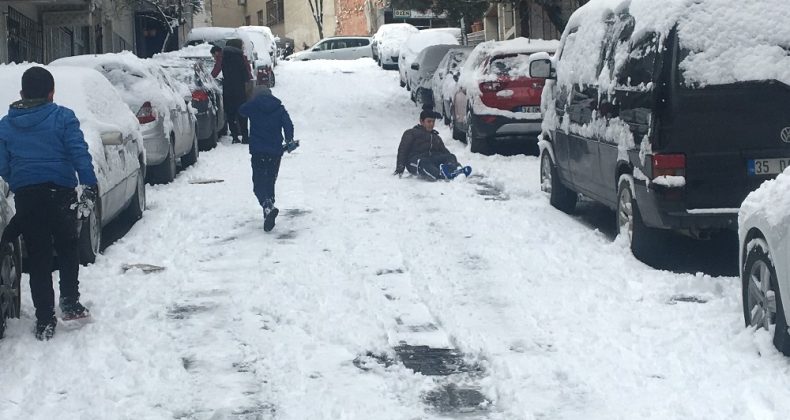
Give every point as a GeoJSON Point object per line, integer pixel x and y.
{"type": "Point", "coordinates": [269, 120]}
{"type": "Point", "coordinates": [44, 156]}
{"type": "Point", "coordinates": [235, 74]}
{"type": "Point", "coordinates": [423, 153]}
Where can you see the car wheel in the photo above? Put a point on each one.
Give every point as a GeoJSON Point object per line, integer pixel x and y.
{"type": "Point", "coordinates": [272, 80]}
{"type": "Point", "coordinates": [402, 83]}
{"type": "Point", "coordinates": [10, 277]}
{"type": "Point", "coordinates": [90, 236]}
{"type": "Point", "coordinates": [165, 172]}
{"type": "Point", "coordinates": [457, 134]}
{"type": "Point", "coordinates": [560, 196]}
{"type": "Point", "coordinates": [477, 144]}
{"type": "Point", "coordinates": [191, 157]}
{"type": "Point", "coordinates": [210, 142]}
{"type": "Point", "coordinates": [644, 241]}
{"type": "Point", "coordinates": [445, 117]}
{"type": "Point", "coordinates": [762, 300]}
{"type": "Point", "coordinates": [137, 206]}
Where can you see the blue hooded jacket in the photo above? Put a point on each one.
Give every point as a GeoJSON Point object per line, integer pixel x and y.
{"type": "Point", "coordinates": [43, 143]}
{"type": "Point", "coordinates": [268, 120]}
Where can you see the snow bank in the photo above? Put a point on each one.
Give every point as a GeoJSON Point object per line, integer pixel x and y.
{"type": "Point", "coordinates": [92, 98]}
{"type": "Point", "coordinates": [138, 81]}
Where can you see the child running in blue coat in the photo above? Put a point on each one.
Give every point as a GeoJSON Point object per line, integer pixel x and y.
{"type": "Point", "coordinates": [268, 122]}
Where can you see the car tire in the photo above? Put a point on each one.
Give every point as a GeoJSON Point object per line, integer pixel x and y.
{"type": "Point", "coordinates": [645, 242]}
{"type": "Point", "coordinates": [477, 144]}
{"type": "Point", "coordinates": [165, 172]}
{"type": "Point", "coordinates": [457, 133]}
{"type": "Point", "coordinates": [136, 208]}
{"type": "Point", "coordinates": [272, 80]}
{"type": "Point", "coordinates": [191, 157]}
{"type": "Point", "coordinates": [90, 236]}
{"type": "Point", "coordinates": [10, 282]}
{"type": "Point", "coordinates": [759, 286]}
{"type": "Point", "coordinates": [210, 142]}
{"type": "Point", "coordinates": [445, 117]}
{"type": "Point", "coordinates": [561, 197]}
{"type": "Point", "coordinates": [402, 83]}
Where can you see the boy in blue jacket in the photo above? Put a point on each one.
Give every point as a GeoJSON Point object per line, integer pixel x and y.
{"type": "Point", "coordinates": [268, 121]}
{"type": "Point", "coordinates": [42, 154]}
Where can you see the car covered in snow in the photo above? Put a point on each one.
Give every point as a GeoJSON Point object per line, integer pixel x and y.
{"type": "Point", "coordinates": [184, 66]}
{"type": "Point", "coordinates": [114, 138]}
{"type": "Point", "coordinates": [418, 42]}
{"type": "Point", "coordinates": [10, 262]}
{"type": "Point", "coordinates": [265, 47]}
{"type": "Point", "coordinates": [336, 48]}
{"type": "Point", "coordinates": [386, 43]}
{"type": "Point", "coordinates": [424, 66]}
{"type": "Point", "coordinates": [670, 113]}
{"type": "Point", "coordinates": [496, 101]}
{"type": "Point", "coordinates": [162, 105]}
{"type": "Point", "coordinates": [763, 229]}
{"type": "Point", "coordinates": [445, 79]}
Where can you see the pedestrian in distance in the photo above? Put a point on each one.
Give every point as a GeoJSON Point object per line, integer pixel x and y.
{"type": "Point", "coordinates": [44, 156]}
{"type": "Point", "coordinates": [236, 75]}
{"type": "Point", "coordinates": [269, 121]}
{"type": "Point", "coordinates": [423, 153]}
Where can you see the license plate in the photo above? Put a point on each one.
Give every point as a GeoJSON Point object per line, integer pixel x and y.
{"type": "Point", "coordinates": [530, 109]}
{"type": "Point", "coordinates": [767, 166]}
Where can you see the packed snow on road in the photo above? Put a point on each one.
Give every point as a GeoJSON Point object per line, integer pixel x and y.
{"type": "Point", "coordinates": [379, 297]}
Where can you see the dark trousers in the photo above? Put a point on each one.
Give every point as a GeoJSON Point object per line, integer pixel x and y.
{"type": "Point", "coordinates": [428, 166]}
{"type": "Point", "coordinates": [265, 168]}
{"type": "Point", "coordinates": [46, 219]}
{"type": "Point", "coordinates": [237, 123]}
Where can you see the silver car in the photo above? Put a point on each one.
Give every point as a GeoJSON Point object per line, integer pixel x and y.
{"type": "Point", "coordinates": [162, 106]}
{"type": "Point", "coordinates": [336, 48]}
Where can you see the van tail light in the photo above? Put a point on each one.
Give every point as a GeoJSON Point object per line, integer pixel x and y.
{"type": "Point", "coordinates": [490, 86]}
{"type": "Point", "coordinates": [200, 96]}
{"type": "Point", "coordinates": [146, 114]}
{"type": "Point", "coordinates": [488, 119]}
{"type": "Point", "coordinates": [669, 165]}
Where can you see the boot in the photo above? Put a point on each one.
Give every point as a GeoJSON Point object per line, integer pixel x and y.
{"type": "Point", "coordinates": [72, 309]}
{"type": "Point", "coordinates": [45, 329]}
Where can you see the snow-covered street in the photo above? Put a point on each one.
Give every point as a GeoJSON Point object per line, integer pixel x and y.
{"type": "Point", "coordinates": [544, 315]}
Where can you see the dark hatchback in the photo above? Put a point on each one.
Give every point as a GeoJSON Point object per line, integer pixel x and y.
{"type": "Point", "coordinates": [665, 152]}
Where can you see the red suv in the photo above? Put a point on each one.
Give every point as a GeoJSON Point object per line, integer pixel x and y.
{"type": "Point", "coordinates": [496, 101]}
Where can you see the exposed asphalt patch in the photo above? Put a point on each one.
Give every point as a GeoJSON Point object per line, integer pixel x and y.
{"type": "Point", "coordinates": [452, 399]}
{"type": "Point", "coordinates": [187, 310]}
{"type": "Point", "coordinates": [435, 362]}
{"type": "Point", "coordinates": [686, 299]}
{"type": "Point", "coordinates": [366, 361]}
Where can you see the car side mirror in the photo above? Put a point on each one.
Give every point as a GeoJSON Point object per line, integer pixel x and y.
{"type": "Point", "coordinates": [541, 68]}
{"type": "Point", "coordinates": [415, 66]}
{"type": "Point", "coordinates": [112, 138]}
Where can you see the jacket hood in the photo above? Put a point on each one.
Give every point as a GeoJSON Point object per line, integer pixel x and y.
{"type": "Point", "coordinates": [232, 50]}
{"type": "Point", "coordinates": [420, 127]}
{"type": "Point", "coordinates": [29, 113]}
{"type": "Point", "coordinates": [266, 102]}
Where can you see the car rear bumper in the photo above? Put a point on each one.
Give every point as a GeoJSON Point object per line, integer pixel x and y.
{"type": "Point", "coordinates": [507, 129]}
{"type": "Point", "coordinates": [659, 211]}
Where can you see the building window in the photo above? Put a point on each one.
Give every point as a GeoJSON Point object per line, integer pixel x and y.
{"type": "Point", "coordinates": [275, 12]}
{"type": "Point", "coordinates": [247, 20]}
{"type": "Point", "coordinates": [260, 18]}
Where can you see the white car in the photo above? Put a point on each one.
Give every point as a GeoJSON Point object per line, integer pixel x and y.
{"type": "Point", "coordinates": [764, 244]}
{"type": "Point", "coordinates": [387, 41]}
{"type": "Point", "coordinates": [445, 79]}
{"type": "Point", "coordinates": [418, 42]}
{"type": "Point", "coordinates": [265, 50]}
{"type": "Point", "coordinates": [162, 105]}
{"type": "Point", "coordinates": [336, 48]}
{"type": "Point", "coordinates": [114, 141]}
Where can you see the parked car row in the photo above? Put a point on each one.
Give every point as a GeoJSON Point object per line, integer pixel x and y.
{"type": "Point", "coordinates": [259, 46]}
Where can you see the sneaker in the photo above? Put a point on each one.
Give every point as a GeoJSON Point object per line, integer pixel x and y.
{"type": "Point", "coordinates": [269, 214]}
{"type": "Point", "coordinates": [73, 309]}
{"type": "Point", "coordinates": [446, 172]}
{"type": "Point", "coordinates": [466, 170]}
{"type": "Point", "coordinates": [45, 330]}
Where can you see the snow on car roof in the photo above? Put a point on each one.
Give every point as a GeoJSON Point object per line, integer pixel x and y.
{"type": "Point", "coordinates": [211, 33]}
{"type": "Point", "coordinates": [86, 92]}
{"type": "Point", "coordinates": [137, 81]}
{"type": "Point", "coordinates": [191, 51]}
{"type": "Point", "coordinates": [524, 46]}
{"type": "Point", "coordinates": [727, 42]}
{"type": "Point", "coordinates": [396, 29]}
{"type": "Point", "coordinates": [418, 41]}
